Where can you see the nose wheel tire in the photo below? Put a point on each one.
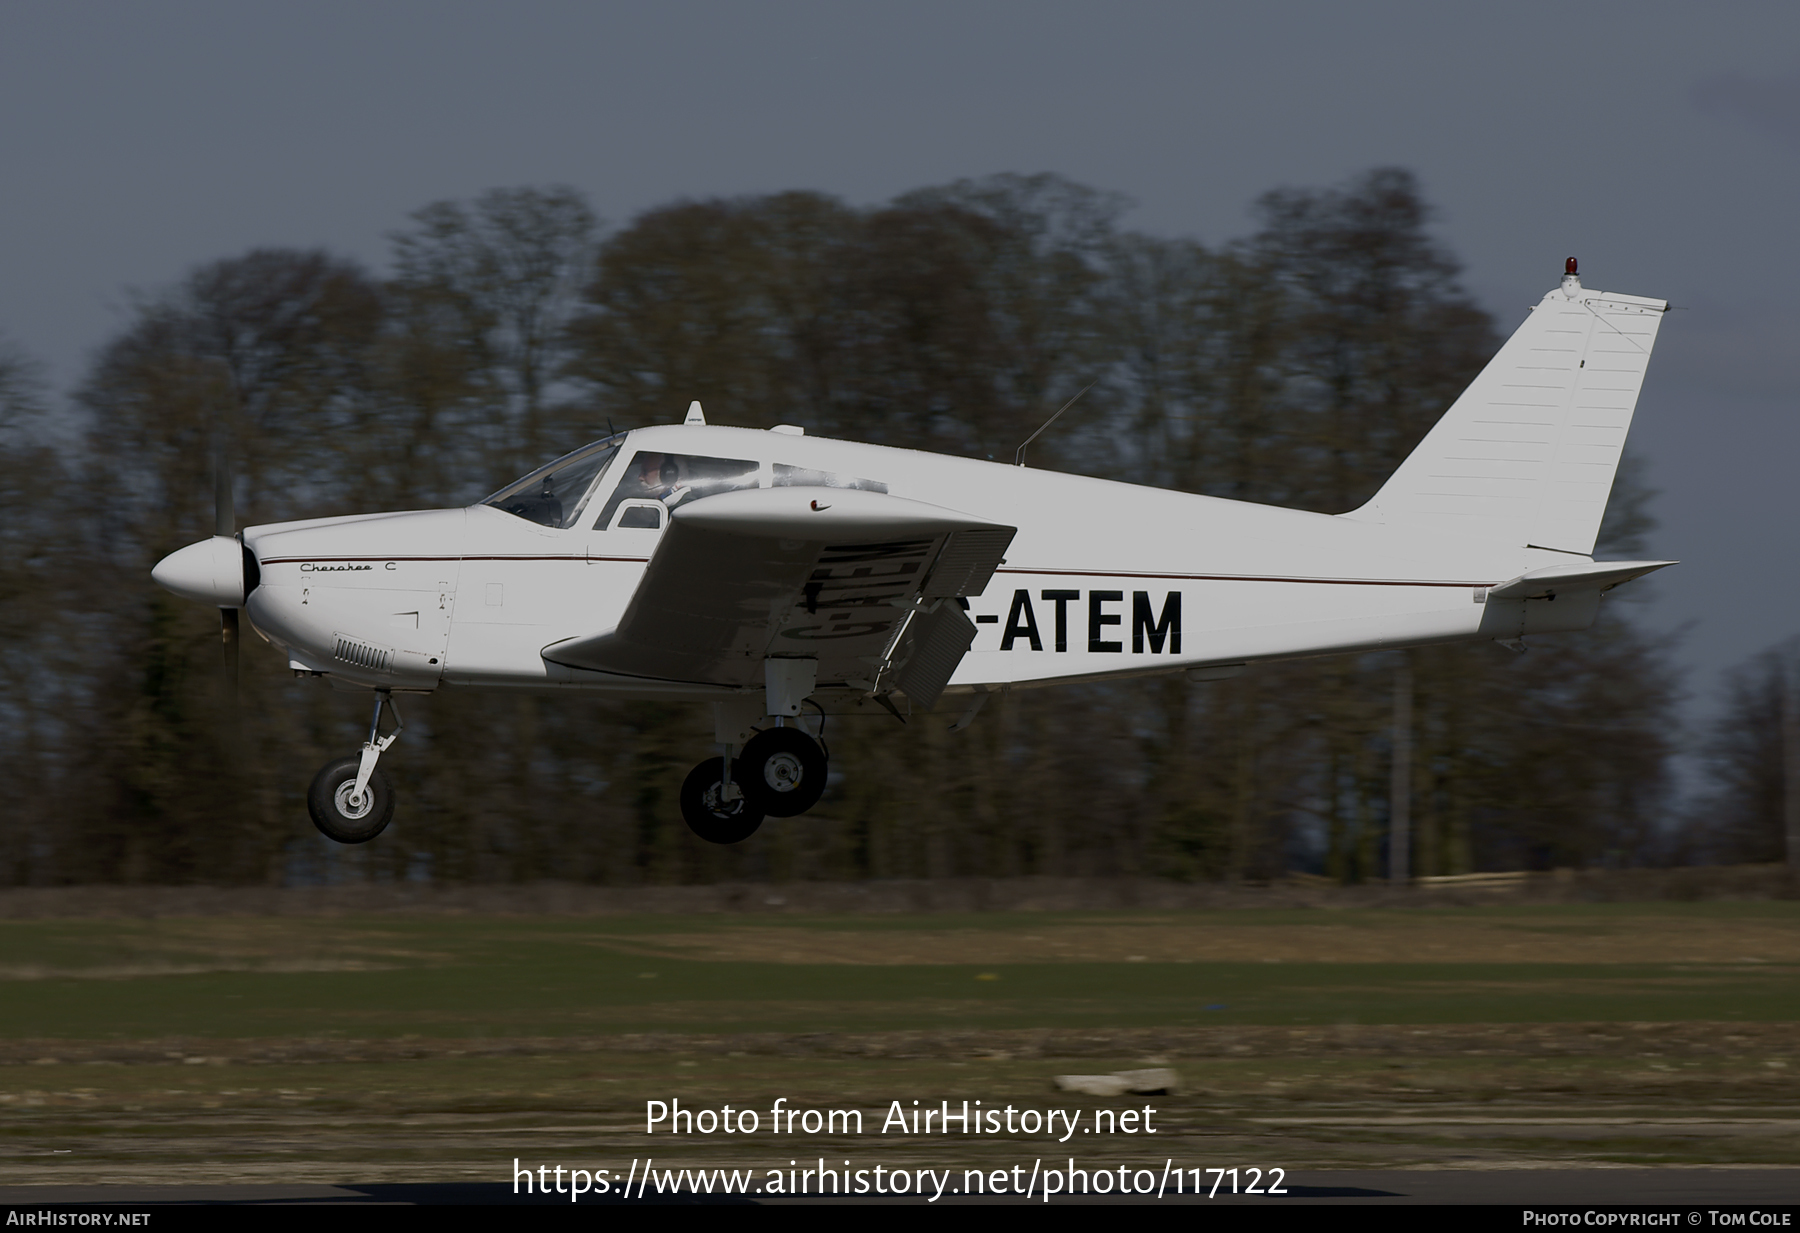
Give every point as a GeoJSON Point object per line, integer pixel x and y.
{"type": "Point", "coordinates": [336, 811]}
{"type": "Point", "coordinates": [784, 771]}
{"type": "Point", "coordinates": [706, 811]}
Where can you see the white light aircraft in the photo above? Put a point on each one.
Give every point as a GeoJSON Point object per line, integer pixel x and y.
{"type": "Point", "coordinates": [784, 578]}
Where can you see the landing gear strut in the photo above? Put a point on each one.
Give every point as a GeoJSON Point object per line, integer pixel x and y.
{"type": "Point", "coordinates": [350, 799]}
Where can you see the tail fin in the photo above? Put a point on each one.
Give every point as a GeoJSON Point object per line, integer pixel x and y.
{"type": "Point", "coordinates": [1527, 454]}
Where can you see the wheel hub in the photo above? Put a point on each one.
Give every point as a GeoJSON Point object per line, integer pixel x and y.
{"type": "Point", "coordinates": [351, 805]}
{"type": "Point", "coordinates": [720, 807]}
{"type": "Point", "coordinates": [783, 772]}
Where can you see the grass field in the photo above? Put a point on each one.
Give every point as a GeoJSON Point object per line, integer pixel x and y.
{"type": "Point", "coordinates": [411, 1048]}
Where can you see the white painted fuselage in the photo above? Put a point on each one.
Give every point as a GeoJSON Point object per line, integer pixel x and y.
{"type": "Point", "coordinates": [1103, 579]}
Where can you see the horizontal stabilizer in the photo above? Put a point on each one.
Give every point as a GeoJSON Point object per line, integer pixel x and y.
{"type": "Point", "coordinates": [1582, 576]}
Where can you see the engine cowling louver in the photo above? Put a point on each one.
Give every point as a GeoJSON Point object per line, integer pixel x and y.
{"type": "Point", "coordinates": [362, 655]}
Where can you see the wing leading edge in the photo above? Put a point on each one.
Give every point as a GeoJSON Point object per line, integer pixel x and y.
{"type": "Point", "coordinates": [863, 583]}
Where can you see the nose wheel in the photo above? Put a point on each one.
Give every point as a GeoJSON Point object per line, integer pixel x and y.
{"type": "Point", "coordinates": [340, 812]}
{"type": "Point", "coordinates": [350, 799]}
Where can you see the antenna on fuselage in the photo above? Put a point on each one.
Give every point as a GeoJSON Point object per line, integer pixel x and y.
{"type": "Point", "coordinates": [695, 415]}
{"type": "Point", "coordinates": [1019, 454]}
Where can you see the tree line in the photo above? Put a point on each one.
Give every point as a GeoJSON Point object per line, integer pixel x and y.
{"type": "Point", "coordinates": [1295, 366]}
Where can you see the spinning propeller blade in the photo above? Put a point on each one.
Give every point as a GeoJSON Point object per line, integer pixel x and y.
{"type": "Point", "coordinates": [225, 523]}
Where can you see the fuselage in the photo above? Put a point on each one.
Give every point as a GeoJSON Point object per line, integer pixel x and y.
{"type": "Point", "coordinates": [1104, 579]}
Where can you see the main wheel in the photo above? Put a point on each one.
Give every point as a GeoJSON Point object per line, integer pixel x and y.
{"type": "Point", "coordinates": [336, 815]}
{"type": "Point", "coordinates": [711, 817]}
{"type": "Point", "coordinates": [784, 771]}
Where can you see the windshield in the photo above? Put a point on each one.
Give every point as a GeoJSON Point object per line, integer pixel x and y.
{"type": "Point", "coordinates": [553, 495]}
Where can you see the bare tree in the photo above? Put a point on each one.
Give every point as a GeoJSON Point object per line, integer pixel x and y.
{"type": "Point", "coordinates": [504, 272]}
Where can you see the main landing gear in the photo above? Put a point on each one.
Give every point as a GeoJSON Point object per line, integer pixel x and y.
{"type": "Point", "coordinates": [714, 804]}
{"type": "Point", "coordinates": [780, 774]}
{"type": "Point", "coordinates": [350, 799]}
{"type": "Point", "coordinates": [784, 771]}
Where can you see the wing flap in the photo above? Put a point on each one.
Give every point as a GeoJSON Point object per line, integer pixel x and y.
{"type": "Point", "coordinates": [967, 562]}
{"type": "Point", "coordinates": [933, 644]}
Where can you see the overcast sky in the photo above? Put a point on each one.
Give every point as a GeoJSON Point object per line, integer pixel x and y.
{"type": "Point", "coordinates": [1660, 143]}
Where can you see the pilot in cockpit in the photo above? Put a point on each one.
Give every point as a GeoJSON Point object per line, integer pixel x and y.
{"type": "Point", "coordinates": [658, 478]}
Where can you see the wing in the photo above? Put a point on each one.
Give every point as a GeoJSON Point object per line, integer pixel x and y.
{"type": "Point", "coordinates": [863, 582]}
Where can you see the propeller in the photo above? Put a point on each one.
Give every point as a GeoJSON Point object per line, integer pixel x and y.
{"type": "Point", "coordinates": [225, 524]}
{"type": "Point", "coordinates": [219, 571]}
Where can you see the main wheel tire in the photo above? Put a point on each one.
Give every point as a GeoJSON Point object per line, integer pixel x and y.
{"type": "Point", "coordinates": [784, 771]}
{"type": "Point", "coordinates": [328, 800]}
{"type": "Point", "coordinates": [709, 817]}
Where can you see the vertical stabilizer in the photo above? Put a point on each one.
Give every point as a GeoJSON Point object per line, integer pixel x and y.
{"type": "Point", "coordinates": [1528, 453]}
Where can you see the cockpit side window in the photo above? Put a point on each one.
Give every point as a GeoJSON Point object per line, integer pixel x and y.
{"type": "Point", "coordinates": [806, 477]}
{"type": "Point", "coordinates": [555, 495]}
{"type": "Point", "coordinates": [640, 516]}
{"type": "Point", "coordinates": [676, 479]}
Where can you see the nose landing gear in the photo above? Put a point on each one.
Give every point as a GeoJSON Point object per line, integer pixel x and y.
{"type": "Point", "coordinates": [350, 799]}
